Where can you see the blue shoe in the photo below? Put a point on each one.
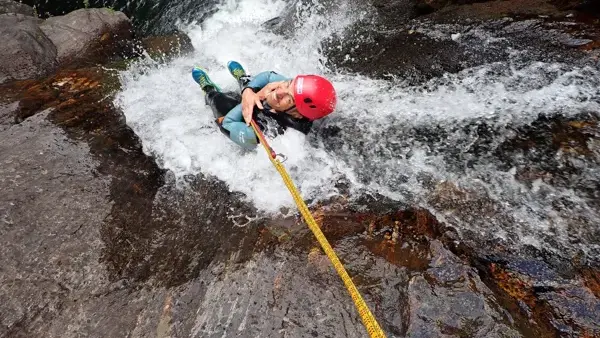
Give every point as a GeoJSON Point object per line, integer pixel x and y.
{"type": "Point", "coordinates": [236, 70]}
{"type": "Point", "coordinates": [203, 80]}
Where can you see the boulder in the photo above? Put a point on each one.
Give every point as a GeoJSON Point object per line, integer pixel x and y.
{"type": "Point", "coordinates": [26, 52]}
{"type": "Point", "coordinates": [91, 35]}
{"type": "Point", "coordinates": [10, 6]}
{"type": "Point", "coordinates": [586, 6]}
{"type": "Point", "coordinates": [166, 47]}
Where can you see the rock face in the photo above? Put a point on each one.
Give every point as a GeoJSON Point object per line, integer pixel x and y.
{"type": "Point", "coordinates": [39, 165]}
{"type": "Point", "coordinates": [590, 6]}
{"type": "Point", "coordinates": [438, 4]}
{"type": "Point", "coordinates": [451, 295]}
{"type": "Point", "coordinates": [26, 51]}
{"type": "Point", "coordinates": [7, 113]}
{"type": "Point", "coordinates": [167, 47]}
{"type": "Point", "coordinates": [10, 6]}
{"type": "Point", "coordinates": [33, 48]}
{"type": "Point", "coordinates": [97, 241]}
{"type": "Point", "coordinates": [558, 299]}
{"type": "Point", "coordinates": [404, 40]}
{"type": "Point", "coordinates": [93, 34]}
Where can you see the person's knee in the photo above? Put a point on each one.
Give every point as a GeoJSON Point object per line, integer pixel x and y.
{"type": "Point", "coordinates": [210, 96]}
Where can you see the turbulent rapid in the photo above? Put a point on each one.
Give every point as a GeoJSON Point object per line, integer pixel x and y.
{"type": "Point", "coordinates": [415, 144]}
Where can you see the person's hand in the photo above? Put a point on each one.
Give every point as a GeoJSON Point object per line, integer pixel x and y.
{"type": "Point", "coordinates": [249, 100]}
{"type": "Point", "coordinates": [267, 89]}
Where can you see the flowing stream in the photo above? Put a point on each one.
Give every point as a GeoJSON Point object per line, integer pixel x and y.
{"type": "Point", "coordinates": [443, 145]}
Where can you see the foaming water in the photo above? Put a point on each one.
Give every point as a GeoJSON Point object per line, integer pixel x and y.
{"type": "Point", "coordinates": [442, 145]}
{"type": "Point", "coordinates": [166, 108]}
{"type": "Point", "coordinates": [405, 143]}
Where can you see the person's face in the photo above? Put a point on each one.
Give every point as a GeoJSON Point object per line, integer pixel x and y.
{"type": "Point", "coordinates": [281, 97]}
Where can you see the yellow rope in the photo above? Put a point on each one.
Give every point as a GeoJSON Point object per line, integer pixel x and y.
{"type": "Point", "coordinates": [367, 317]}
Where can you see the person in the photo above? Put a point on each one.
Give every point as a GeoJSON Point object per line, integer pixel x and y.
{"type": "Point", "coordinates": [291, 103]}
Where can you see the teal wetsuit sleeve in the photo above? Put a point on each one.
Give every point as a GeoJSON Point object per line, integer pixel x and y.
{"type": "Point", "coordinates": [261, 79]}
{"type": "Point", "coordinates": [239, 132]}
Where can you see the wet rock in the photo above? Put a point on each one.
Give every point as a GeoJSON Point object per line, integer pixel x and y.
{"type": "Point", "coordinates": [381, 283]}
{"type": "Point", "coordinates": [176, 233]}
{"type": "Point", "coordinates": [542, 140]}
{"type": "Point", "coordinates": [459, 312]}
{"type": "Point", "coordinates": [491, 10]}
{"type": "Point", "coordinates": [445, 267]}
{"type": "Point", "coordinates": [318, 261]}
{"type": "Point", "coordinates": [11, 6]}
{"type": "Point", "coordinates": [7, 114]}
{"type": "Point", "coordinates": [338, 225]}
{"type": "Point", "coordinates": [285, 23]}
{"type": "Point", "coordinates": [403, 52]}
{"type": "Point", "coordinates": [26, 51]}
{"type": "Point", "coordinates": [147, 213]}
{"type": "Point", "coordinates": [79, 106]}
{"type": "Point", "coordinates": [572, 42]}
{"type": "Point", "coordinates": [439, 4]}
{"type": "Point", "coordinates": [545, 296]}
{"type": "Point", "coordinates": [451, 198]}
{"type": "Point", "coordinates": [460, 10]}
{"type": "Point", "coordinates": [269, 297]}
{"type": "Point", "coordinates": [576, 311]}
{"type": "Point", "coordinates": [400, 44]}
{"type": "Point", "coordinates": [132, 228]}
{"type": "Point", "coordinates": [450, 299]}
{"type": "Point", "coordinates": [557, 300]}
{"type": "Point", "coordinates": [586, 6]}
{"type": "Point", "coordinates": [408, 253]}
{"type": "Point", "coordinates": [73, 94]}
{"type": "Point", "coordinates": [89, 36]}
{"type": "Point", "coordinates": [393, 13]}
{"type": "Point", "coordinates": [591, 279]}
{"type": "Point", "coordinates": [50, 210]}
{"type": "Point", "coordinates": [416, 52]}
{"type": "Point", "coordinates": [167, 47]}
{"type": "Point", "coordinates": [117, 227]}
{"type": "Point", "coordinates": [445, 296]}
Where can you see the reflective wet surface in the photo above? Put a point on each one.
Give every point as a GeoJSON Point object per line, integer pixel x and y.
{"type": "Point", "coordinates": [98, 240]}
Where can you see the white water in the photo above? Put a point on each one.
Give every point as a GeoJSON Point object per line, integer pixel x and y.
{"type": "Point", "coordinates": [377, 153]}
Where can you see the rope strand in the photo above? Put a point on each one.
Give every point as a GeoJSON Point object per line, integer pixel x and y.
{"type": "Point", "coordinates": [367, 317]}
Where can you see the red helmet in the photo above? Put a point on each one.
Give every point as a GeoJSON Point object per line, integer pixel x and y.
{"type": "Point", "coordinates": [314, 95]}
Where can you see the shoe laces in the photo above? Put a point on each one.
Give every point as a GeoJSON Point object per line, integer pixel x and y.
{"type": "Point", "coordinates": [238, 72]}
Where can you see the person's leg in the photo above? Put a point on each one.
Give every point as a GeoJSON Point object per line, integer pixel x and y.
{"type": "Point", "coordinates": [220, 103]}
{"type": "Point", "coordinates": [238, 72]}
{"type": "Point", "coordinates": [201, 78]}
